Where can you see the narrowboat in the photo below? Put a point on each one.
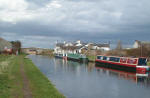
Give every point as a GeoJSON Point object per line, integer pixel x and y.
{"type": "Point", "coordinates": [77, 57]}
{"type": "Point", "coordinates": [59, 55]}
{"type": "Point", "coordinates": [138, 65]}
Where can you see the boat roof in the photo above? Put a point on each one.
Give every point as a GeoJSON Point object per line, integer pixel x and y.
{"type": "Point", "coordinates": [122, 57]}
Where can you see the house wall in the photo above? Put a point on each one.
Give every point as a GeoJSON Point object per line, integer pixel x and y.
{"type": "Point", "coordinates": [77, 48]}
{"type": "Point", "coordinates": [5, 45]}
{"type": "Point", "coordinates": [29, 51]}
{"type": "Point", "coordinates": [136, 45]}
{"type": "Point", "coordinates": [105, 48]}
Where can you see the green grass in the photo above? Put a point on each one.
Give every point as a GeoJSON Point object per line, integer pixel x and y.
{"type": "Point", "coordinates": [16, 78]}
{"type": "Point", "coordinates": [4, 87]}
{"type": "Point", "coordinates": [148, 63]}
{"type": "Point", "coordinates": [4, 77]}
{"type": "Point", "coordinates": [11, 81]}
{"type": "Point", "coordinates": [3, 57]}
{"type": "Point", "coordinates": [41, 86]}
{"type": "Point", "coordinates": [91, 58]}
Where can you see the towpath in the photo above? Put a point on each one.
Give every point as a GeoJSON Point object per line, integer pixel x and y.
{"type": "Point", "coordinates": [26, 89]}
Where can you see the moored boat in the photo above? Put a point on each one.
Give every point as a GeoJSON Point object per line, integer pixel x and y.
{"type": "Point", "coordinates": [77, 57]}
{"type": "Point", "coordinates": [71, 56]}
{"type": "Point", "coordinates": [58, 55]}
{"type": "Point", "coordinates": [138, 65]}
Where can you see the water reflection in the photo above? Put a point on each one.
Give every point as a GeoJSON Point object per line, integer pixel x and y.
{"type": "Point", "coordinates": [134, 77]}
{"type": "Point", "coordinates": [76, 68]}
{"type": "Point", "coordinates": [78, 80]}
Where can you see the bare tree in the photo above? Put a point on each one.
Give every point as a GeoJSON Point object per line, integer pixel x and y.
{"type": "Point", "coordinates": [119, 45]}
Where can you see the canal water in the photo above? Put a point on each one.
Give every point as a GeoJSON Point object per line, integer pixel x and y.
{"type": "Point", "coordinates": [78, 80]}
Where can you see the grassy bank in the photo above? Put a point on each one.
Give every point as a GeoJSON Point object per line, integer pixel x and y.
{"type": "Point", "coordinates": [4, 76]}
{"type": "Point", "coordinates": [91, 58]}
{"type": "Point", "coordinates": [148, 63]}
{"type": "Point", "coordinates": [39, 84]}
{"type": "Point", "coordinates": [12, 82]}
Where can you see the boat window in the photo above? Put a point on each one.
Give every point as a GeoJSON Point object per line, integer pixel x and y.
{"type": "Point", "coordinates": [123, 60]}
{"type": "Point", "coordinates": [132, 60]}
{"type": "Point", "coordinates": [107, 58]}
{"type": "Point", "coordinates": [111, 59]}
{"type": "Point", "coordinates": [104, 58]}
{"type": "Point", "coordinates": [142, 61]}
{"type": "Point", "coordinates": [99, 57]}
{"type": "Point", "coordinates": [114, 59]}
{"type": "Point", "coordinates": [117, 59]}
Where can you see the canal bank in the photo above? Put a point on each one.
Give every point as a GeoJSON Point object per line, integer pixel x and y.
{"type": "Point", "coordinates": [20, 78]}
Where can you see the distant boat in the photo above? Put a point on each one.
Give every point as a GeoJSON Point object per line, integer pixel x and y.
{"type": "Point", "coordinates": [138, 65]}
{"type": "Point", "coordinates": [77, 57]}
{"type": "Point", "coordinates": [72, 56]}
{"type": "Point", "coordinates": [58, 55]}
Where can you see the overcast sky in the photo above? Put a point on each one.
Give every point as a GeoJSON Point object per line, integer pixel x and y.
{"type": "Point", "coordinates": [40, 23]}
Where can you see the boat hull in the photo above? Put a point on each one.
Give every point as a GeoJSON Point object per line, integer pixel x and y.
{"type": "Point", "coordinates": [73, 57]}
{"type": "Point", "coordinates": [58, 56]}
{"type": "Point", "coordinates": [115, 66]}
{"type": "Point", "coordinates": [82, 60]}
{"type": "Point", "coordinates": [131, 64]}
{"type": "Point", "coordinates": [77, 58]}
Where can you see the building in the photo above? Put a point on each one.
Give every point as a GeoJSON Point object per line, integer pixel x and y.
{"type": "Point", "coordinates": [37, 51]}
{"type": "Point", "coordinates": [78, 47]}
{"type": "Point", "coordinates": [5, 46]}
{"type": "Point", "coordinates": [67, 48]}
{"type": "Point", "coordinates": [95, 46]}
{"type": "Point", "coordinates": [32, 51]}
{"type": "Point", "coordinates": [138, 44]}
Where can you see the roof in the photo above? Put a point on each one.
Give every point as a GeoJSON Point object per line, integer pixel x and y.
{"type": "Point", "coordinates": [103, 45]}
{"type": "Point", "coordinates": [74, 47]}
{"type": "Point", "coordinates": [4, 43]}
{"type": "Point", "coordinates": [60, 44]}
{"type": "Point", "coordinates": [69, 47]}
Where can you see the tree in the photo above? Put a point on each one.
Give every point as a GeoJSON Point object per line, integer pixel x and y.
{"type": "Point", "coordinates": [119, 45]}
{"type": "Point", "coordinates": [139, 52]}
{"type": "Point", "coordinates": [16, 46]}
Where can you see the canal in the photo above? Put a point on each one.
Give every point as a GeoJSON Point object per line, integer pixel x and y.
{"type": "Point", "coordinates": [76, 80]}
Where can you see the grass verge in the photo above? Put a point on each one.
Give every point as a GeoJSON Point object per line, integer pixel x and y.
{"type": "Point", "coordinates": [40, 85]}
{"type": "Point", "coordinates": [91, 58]}
{"type": "Point", "coordinates": [4, 77]}
{"type": "Point", "coordinates": [11, 80]}
{"type": "Point", "coordinates": [148, 63]}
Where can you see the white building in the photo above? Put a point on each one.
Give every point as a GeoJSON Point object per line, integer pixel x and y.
{"type": "Point", "coordinates": [77, 47]}
{"type": "Point", "coordinates": [103, 47]}
{"type": "Point", "coordinates": [5, 45]}
{"type": "Point", "coordinates": [138, 44]}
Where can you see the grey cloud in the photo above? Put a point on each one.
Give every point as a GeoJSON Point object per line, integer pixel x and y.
{"type": "Point", "coordinates": [38, 2]}
{"type": "Point", "coordinates": [88, 20]}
